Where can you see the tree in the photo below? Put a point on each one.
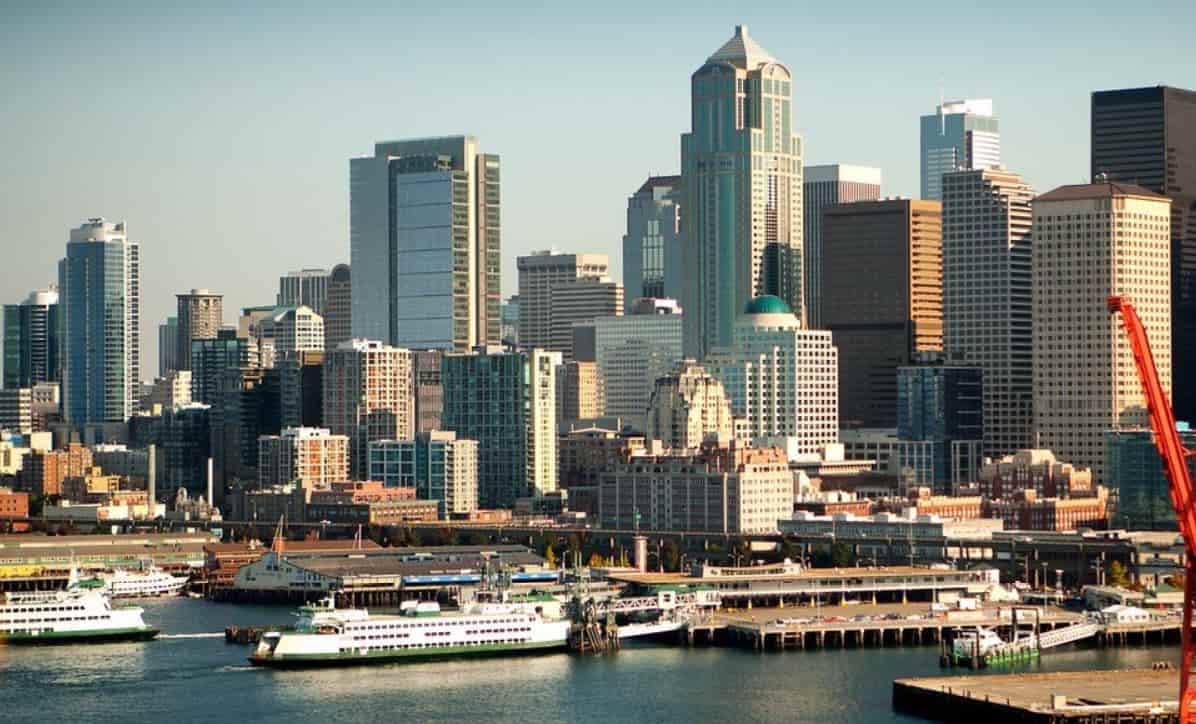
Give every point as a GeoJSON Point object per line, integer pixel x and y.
{"type": "Point", "coordinates": [790, 551]}
{"type": "Point", "coordinates": [841, 555]}
{"type": "Point", "coordinates": [549, 556]}
{"type": "Point", "coordinates": [1116, 574]}
{"type": "Point", "coordinates": [670, 556]}
{"type": "Point", "coordinates": [596, 560]}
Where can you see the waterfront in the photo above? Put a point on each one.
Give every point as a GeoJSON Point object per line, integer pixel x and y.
{"type": "Point", "coordinates": [186, 676]}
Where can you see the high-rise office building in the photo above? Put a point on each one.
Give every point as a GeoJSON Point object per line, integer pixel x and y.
{"type": "Point", "coordinates": [307, 287]}
{"type": "Point", "coordinates": [438, 464]}
{"type": "Point", "coordinates": [367, 396]}
{"type": "Point", "coordinates": [301, 389]}
{"type": "Point", "coordinates": [987, 252]}
{"type": "Point", "coordinates": [688, 407]}
{"type": "Point", "coordinates": [782, 379]}
{"type": "Point", "coordinates": [201, 315]}
{"type": "Point", "coordinates": [631, 351]}
{"type": "Point", "coordinates": [31, 340]}
{"type": "Point", "coordinates": [882, 296]}
{"type": "Point", "coordinates": [186, 435]}
{"type": "Point", "coordinates": [338, 324]}
{"type": "Point", "coordinates": [297, 329]}
{"type": "Point", "coordinates": [168, 346]}
{"type": "Point", "coordinates": [1147, 136]}
{"type": "Point", "coordinates": [1093, 241]}
{"type": "Point", "coordinates": [507, 402]}
{"type": "Point", "coordinates": [958, 136]}
{"type": "Point", "coordinates": [424, 241]}
{"type": "Point", "coordinates": [1135, 478]}
{"type": "Point", "coordinates": [99, 286]}
{"type": "Point", "coordinates": [940, 422]}
{"type": "Point", "coordinates": [824, 186]}
{"type": "Point", "coordinates": [579, 302]}
{"type": "Point", "coordinates": [211, 359]}
{"type": "Point", "coordinates": [741, 168]}
{"type": "Point", "coordinates": [652, 244]}
{"type": "Point", "coordinates": [539, 273]}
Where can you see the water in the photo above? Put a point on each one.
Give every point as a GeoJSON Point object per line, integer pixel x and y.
{"type": "Point", "coordinates": [188, 677]}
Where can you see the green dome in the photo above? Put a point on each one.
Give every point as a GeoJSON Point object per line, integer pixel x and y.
{"type": "Point", "coordinates": [767, 304]}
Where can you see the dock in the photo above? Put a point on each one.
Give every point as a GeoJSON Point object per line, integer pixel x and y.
{"type": "Point", "coordinates": [1133, 696]}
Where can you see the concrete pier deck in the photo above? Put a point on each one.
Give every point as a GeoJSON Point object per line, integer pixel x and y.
{"type": "Point", "coordinates": [1140, 696]}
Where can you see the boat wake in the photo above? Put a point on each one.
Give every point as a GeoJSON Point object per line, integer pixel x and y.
{"type": "Point", "coordinates": [237, 668]}
{"type": "Point", "coordinates": [214, 635]}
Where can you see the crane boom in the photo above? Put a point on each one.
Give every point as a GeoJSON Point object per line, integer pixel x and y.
{"type": "Point", "coordinates": [1175, 466]}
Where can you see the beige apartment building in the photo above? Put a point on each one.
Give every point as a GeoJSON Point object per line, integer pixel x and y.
{"type": "Point", "coordinates": [367, 396]}
{"type": "Point", "coordinates": [309, 456]}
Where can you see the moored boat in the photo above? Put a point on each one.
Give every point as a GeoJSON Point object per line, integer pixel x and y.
{"type": "Point", "coordinates": [81, 613]}
{"type": "Point", "coordinates": [144, 583]}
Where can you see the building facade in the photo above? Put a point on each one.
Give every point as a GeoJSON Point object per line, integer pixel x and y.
{"type": "Point", "coordinates": [439, 465]}
{"type": "Point", "coordinates": [307, 287]}
{"type": "Point", "coordinates": [741, 168]}
{"type": "Point", "coordinates": [200, 316]}
{"type": "Point", "coordinates": [539, 274]}
{"type": "Point", "coordinates": [580, 302]}
{"type": "Point", "coordinates": [427, 391]}
{"type": "Point", "coordinates": [367, 396]}
{"type": "Point", "coordinates": [1147, 136]}
{"type": "Point", "coordinates": [943, 405]}
{"type": "Point", "coordinates": [425, 243]}
{"type": "Point", "coordinates": [306, 456]}
{"type": "Point", "coordinates": [958, 136]}
{"type": "Point", "coordinates": [211, 360]}
{"type": "Point", "coordinates": [578, 396]}
{"type": "Point", "coordinates": [879, 325]}
{"type": "Point", "coordinates": [297, 329]}
{"type": "Point", "coordinates": [1136, 481]}
{"type": "Point", "coordinates": [338, 308]}
{"type": "Point", "coordinates": [301, 389]}
{"type": "Point", "coordinates": [782, 379]}
{"type": "Point", "coordinates": [632, 351]}
{"type": "Point", "coordinates": [688, 407]}
{"type": "Point", "coordinates": [987, 253]}
{"type": "Point", "coordinates": [186, 435]}
{"type": "Point", "coordinates": [506, 401]}
{"type": "Point", "coordinates": [31, 340]}
{"type": "Point", "coordinates": [168, 346]}
{"type": "Point", "coordinates": [825, 186]}
{"type": "Point", "coordinates": [652, 244]}
{"type": "Point", "coordinates": [99, 286]}
{"type": "Point", "coordinates": [1093, 241]}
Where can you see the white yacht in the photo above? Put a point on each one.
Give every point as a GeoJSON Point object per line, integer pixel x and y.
{"type": "Point", "coordinates": [148, 582]}
{"type": "Point", "coordinates": [80, 613]}
{"type": "Point", "coordinates": [495, 624]}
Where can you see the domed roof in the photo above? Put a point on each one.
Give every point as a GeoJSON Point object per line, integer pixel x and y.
{"type": "Point", "coordinates": [767, 304]}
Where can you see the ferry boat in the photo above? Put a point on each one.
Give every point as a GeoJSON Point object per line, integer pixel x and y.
{"type": "Point", "coordinates": [148, 582]}
{"type": "Point", "coordinates": [80, 613]}
{"type": "Point", "coordinates": [495, 624]}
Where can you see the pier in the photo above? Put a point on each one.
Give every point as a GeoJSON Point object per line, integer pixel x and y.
{"type": "Point", "coordinates": [1136, 696]}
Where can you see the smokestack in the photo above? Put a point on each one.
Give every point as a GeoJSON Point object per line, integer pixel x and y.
{"type": "Point", "coordinates": [211, 502]}
{"type": "Point", "coordinates": [152, 477]}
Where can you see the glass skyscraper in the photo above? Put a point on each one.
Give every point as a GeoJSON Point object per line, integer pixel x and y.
{"type": "Point", "coordinates": [652, 244]}
{"type": "Point", "coordinates": [741, 166]}
{"type": "Point", "coordinates": [424, 239]}
{"type": "Point", "coordinates": [958, 136]}
{"type": "Point", "coordinates": [99, 283]}
{"type": "Point", "coordinates": [942, 405]}
{"type": "Point", "coordinates": [31, 340]}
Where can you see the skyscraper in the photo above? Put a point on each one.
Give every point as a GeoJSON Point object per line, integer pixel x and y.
{"type": "Point", "coordinates": [367, 396]}
{"type": "Point", "coordinates": [1147, 136]}
{"type": "Point", "coordinates": [579, 302]}
{"type": "Point", "coordinates": [741, 166]}
{"type": "Point", "coordinates": [212, 359]}
{"type": "Point", "coordinates": [882, 297]}
{"type": "Point", "coordinates": [31, 340]}
{"type": "Point", "coordinates": [305, 287]}
{"type": "Point", "coordinates": [826, 186]}
{"type": "Point", "coordinates": [632, 351]}
{"type": "Point", "coordinates": [201, 314]}
{"type": "Point", "coordinates": [297, 329]}
{"type": "Point", "coordinates": [168, 346]}
{"type": "Point", "coordinates": [1092, 241]}
{"type": "Point", "coordinates": [958, 136]}
{"type": "Point", "coordinates": [338, 324]}
{"type": "Point", "coordinates": [688, 406]}
{"type": "Point", "coordinates": [99, 286]}
{"type": "Point", "coordinates": [507, 402]}
{"type": "Point", "coordinates": [652, 244]}
{"type": "Point", "coordinates": [539, 273]}
{"type": "Point", "coordinates": [987, 251]}
{"type": "Point", "coordinates": [424, 242]}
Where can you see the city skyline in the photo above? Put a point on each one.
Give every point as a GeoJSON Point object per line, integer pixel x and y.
{"type": "Point", "coordinates": [242, 167]}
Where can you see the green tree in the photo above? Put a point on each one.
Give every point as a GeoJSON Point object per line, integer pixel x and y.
{"type": "Point", "coordinates": [670, 556]}
{"type": "Point", "coordinates": [1116, 574]}
{"type": "Point", "coordinates": [789, 550]}
{"type": "Point", "coordinates": [842, 555]}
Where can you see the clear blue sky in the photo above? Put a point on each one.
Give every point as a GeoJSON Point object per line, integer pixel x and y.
{"type": "Point", "coordinates": [222, 134]}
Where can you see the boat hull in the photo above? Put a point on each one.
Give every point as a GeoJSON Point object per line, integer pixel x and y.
{"type": "Point", "coordinates": [78, 637]}
{"type": "Point", "coordinates": [447, 653]}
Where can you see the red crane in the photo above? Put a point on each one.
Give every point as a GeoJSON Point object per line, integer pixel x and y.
{"type": "Point", "coordinates": [1175, 465]}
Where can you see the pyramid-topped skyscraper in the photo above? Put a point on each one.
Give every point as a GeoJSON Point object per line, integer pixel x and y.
{"type": "Point", "coordinates": [741, 166]}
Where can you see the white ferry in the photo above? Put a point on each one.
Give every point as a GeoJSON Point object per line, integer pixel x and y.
{"type": "Point", "coordinates": [979, 642]}
{"type": "Point", "coordinates": [152, 581]}
{"type": "Point", "coordinates": [496, 624]}
{"type": "Point", "coordinates": [81, 613]}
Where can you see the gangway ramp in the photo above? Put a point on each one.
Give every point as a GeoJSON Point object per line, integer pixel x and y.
{"type": "Point", "coordinates": [1068, 634]}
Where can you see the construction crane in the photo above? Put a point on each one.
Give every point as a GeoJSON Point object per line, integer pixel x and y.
{"type": "Point", "coordinates": [1175, 465]}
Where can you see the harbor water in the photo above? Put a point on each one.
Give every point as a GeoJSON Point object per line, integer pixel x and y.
{"type": "Point", "coordinates": [192, 675]}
